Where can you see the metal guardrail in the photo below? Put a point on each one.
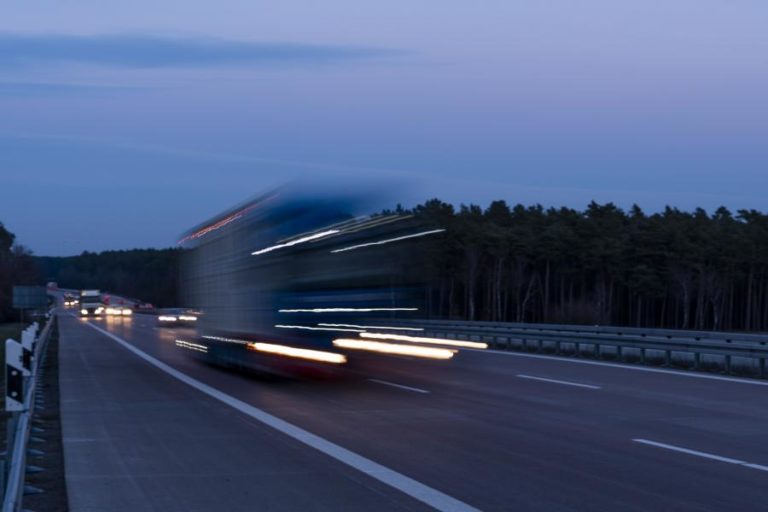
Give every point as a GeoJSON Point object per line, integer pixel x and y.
{"type": "Point", "coordinates": [19, 430]}
{"type": "Point", "coordinates": [572, 339]}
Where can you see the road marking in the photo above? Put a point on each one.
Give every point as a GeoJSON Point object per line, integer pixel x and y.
{"type": "Point", "coordinates": [555, 381]}
{"type": "Point", "coordinates": [402, 483]}
{"type": "Point", "coordinates": [693, 375]}
{"type": "Point", "coordinates": [408, 388]}
{"type": "Point", "coordinates": [702, 454]}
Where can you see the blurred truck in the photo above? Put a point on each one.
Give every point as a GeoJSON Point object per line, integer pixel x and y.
{"type": "Point", "coordinates": [91, 303]}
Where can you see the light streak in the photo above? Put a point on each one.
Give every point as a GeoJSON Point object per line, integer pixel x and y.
{"type": "Point", "coordinates": [300, 353]}
{"type": "Point", "coordinates": [167, 318]}
{"type": "Point", "coordinates": [192, 346]}
{"type": "Point", "coordinates": [392, 348]}
{"type": "Point", "coordinates": [226, 340]}
{"type": "Point", "coordinates": [187, 318]}
{"type": "Point", "coordinates": [309, 328]}
{"type": "Point", "coordinates": [213, 227]}
{"type": "Point", "coordinates": [373, 327]}
{"type": "Point", "coordinates": [389, 240]}
{"type": "Point", "coordinates": [297, 241]}
{"type": "Point", "coordinates": [283, 350]}
{"type": "Point", "coordinates": [344, 310]}
{"type": "Point", "coordinates": [376, 222]}
{"type": "Point", "coordinates": [414, 339]}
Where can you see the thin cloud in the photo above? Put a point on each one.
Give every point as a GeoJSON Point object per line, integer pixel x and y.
{"type": "Point", "coordinates": [36, 89]}
{"type": "Point", "coordinates": [150, 51]}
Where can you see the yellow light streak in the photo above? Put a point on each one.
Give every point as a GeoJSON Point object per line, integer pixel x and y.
{"type": "Point", "coordinates": [300, 353]}
{"type": "Point", "coordinates": [434, 341]}
{"type": "Point", "coordinates": [392, 348]}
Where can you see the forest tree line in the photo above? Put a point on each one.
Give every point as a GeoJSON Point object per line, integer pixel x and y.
{"type": "Point", "coordinates": [146, 274]}
{"type": "Point", "coordinates": [17, 267]}
{"type": "Point", "coordinates": [602, 265]}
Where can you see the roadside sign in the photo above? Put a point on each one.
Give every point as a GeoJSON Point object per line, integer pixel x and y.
{"type": "Point", "coordinates": [29, 297]}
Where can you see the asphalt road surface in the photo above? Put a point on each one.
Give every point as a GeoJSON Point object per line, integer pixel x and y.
{"type": "Point", "coordinates": [146, 427]}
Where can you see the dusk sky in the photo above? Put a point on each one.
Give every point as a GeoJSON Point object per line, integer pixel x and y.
{"type": "Point", "coordinates": [124, 123]}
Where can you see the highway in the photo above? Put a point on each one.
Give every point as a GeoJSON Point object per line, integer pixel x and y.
{"type": "Point", "coordinates": [146, 427]}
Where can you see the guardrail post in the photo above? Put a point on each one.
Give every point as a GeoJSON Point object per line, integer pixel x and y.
{"type": "Point", "coordinates": [14, 376]}
{"type": "Point", "coordinates": [727, 364]}
{"type": "Point", "coordinates": [20, 401]}
{"type": "Point", "coordinates": [15, 384]}
{"type": "Point", "coordinates": [642, 355]}
{"type": "Point", "coordinates": [618, 353]}
{"type": "Point", "coordinates": [597, 351]}
{"type": "Point", "coordinates": [762, 367]}
{"type": "Point", "coordinates": [668, 358]}
{"type": "Point", "coordinates": [696, 360]}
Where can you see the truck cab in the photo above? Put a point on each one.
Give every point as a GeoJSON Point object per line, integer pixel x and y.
{"type": "Point", "coordinates": [91, 303]}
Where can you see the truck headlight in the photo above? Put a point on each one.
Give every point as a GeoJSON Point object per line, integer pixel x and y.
{"type": "Point", "coordinates": [83, 311]}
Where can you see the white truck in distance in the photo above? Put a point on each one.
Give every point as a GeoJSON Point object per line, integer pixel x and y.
{"type": "Point", "coordinates": [91, 303]}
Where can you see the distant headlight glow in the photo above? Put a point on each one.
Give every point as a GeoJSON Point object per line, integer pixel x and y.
{"type": "Point", "coordinates": [167, 318]}
{"type": "Point", "coordinates": [83, 311]}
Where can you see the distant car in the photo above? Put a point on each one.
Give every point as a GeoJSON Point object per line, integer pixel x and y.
{"type": "Point", "coordinates": [70, 300]}
{"type": "Point", "coordinates": [119, 311]}
{"type": "Point", "coordinates": [176, 317]}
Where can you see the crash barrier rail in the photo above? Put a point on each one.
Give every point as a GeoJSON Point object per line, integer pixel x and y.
{"type": "Point", "coordinates": [642, 343]}
{"type": "Point", "coordinates": [23, 362]}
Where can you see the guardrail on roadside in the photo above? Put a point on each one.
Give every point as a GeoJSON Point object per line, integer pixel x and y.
{"type": "Point", "coordinates": [21, 405]}
{"type": "Point", "coordinates": [624, 341]}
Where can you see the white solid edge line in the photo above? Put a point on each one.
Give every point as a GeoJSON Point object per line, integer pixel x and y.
{"type": "Point", "coordinates": [704, 455]}
{"type": "Point", "coordinates": [693, 375]}
{"type": "Point", "coordinates": [402, 483]}
{"type": "Point", "coordinates": [759, 467]}
{"type": "Point", "coordinates": [392, 384]}
{"type": "Point", "coordinates": [555, 381]}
